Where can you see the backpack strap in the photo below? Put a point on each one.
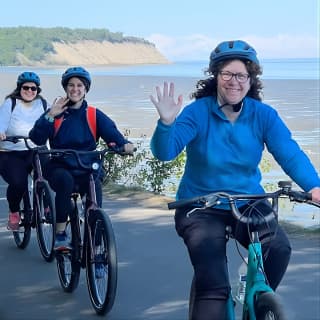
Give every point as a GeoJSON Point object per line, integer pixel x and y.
{"type": "Point", "coordinates": [14, 102]}
{"type": "Point", "coordinates": [91, 119]}
{"type": "Point", "coordinates": [44, 104]}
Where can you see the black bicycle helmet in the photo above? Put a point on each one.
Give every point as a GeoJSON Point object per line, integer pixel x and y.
{"type": "Point", "coordinates": [77, 72]}
{"type": "Point", "coordinates": [233, 49]}
{"type": "Point", "coordinates": [28, 77]}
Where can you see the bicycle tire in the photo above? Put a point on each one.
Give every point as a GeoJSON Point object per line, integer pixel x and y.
{"type": "Point", "coordinates": [22, 237]}
{"type": "Point", "coordinates": [102, 287]}
{"type": "Point", "coordinates": [45, 220]}
{"type": "Point", "coordinates": [68, 262]}
{"type": "Point", "coordinates": [269, 307]}
{"type": "Point", "coordinates": [192, 297]}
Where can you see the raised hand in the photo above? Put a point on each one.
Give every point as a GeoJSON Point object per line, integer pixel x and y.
{"type": "Point", "coordinates": [165, 104]}
{"type": "Point", "coordinates": [58, 106]}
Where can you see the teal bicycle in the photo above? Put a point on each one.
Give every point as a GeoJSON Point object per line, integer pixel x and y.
{"type": "Point", "coordinates": [260, 301]}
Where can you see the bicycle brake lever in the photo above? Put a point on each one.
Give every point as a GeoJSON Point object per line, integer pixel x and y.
{"type": "Point", "coordinates": [208, 203]}
{"type": "Point", "coordinates": [189, 213]}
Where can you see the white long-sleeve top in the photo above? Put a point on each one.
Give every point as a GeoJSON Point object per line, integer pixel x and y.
{"type": "Point", "coordinates": [19, 121]}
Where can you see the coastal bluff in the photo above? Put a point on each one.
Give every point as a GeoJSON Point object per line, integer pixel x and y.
{"type": "Point", "coordinates": [94, 53]}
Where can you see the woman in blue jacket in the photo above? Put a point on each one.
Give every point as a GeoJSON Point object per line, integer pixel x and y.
{"type": "Point", "coordinates": [225, 131]}
{"type": "Point", "coordinates": [74, 131]}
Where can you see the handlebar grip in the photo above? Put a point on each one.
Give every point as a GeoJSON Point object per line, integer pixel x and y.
{"type": "Point", "coordinates": [119, 150]}
{"type": "Point", "coordinates": [184, 202]}
{"type": "Point", "coordinates": [300, 196]}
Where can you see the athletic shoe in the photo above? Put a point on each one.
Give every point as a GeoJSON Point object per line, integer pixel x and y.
{"type": "Point", "coordinates": [13, 221]}
{"type": "Point", "coordinates": [62, 242]}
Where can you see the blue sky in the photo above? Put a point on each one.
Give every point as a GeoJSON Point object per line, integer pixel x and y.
{"type": "Point", "coordinates": [184, 29]}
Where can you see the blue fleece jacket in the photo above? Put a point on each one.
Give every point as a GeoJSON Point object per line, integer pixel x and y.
{"type": "Point", "coordinates": [224, 156]}
{"type": "Point", "coordinates": [74, 132]}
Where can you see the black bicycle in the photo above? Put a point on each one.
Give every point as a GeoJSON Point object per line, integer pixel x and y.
{"type": "Point", "coordinates": [92, 239]}
{"type": "Point", "coordinates": [259, 300]}
{"type": "Point", "coordinates": [37, 208]}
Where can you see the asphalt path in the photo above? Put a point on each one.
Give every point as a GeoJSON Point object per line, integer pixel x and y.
{"type": "Point", "coordinates": [154, 271]}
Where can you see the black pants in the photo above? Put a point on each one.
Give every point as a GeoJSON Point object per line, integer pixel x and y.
{"type": "Point", "coordinates": [15, 166]}
{"type": "Point", "coordinates": [204, 234]}
{"type": "Point", "coordinates": [63, 182]}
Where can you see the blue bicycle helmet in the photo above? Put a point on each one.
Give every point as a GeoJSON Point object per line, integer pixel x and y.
{"type": "Point", "coordinates": [77, 72]}
{"type": "Point", "coordinates": [28, 77]}
{"type": "Point", "coordinates": [233, 49]}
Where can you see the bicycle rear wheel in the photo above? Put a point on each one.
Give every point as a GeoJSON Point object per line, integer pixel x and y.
{"type": "Point", "coordinates": [22, 237]}
{"type": "Point", "coordinates": [101, 262]}
{"type": "Point", "coordinates": [68, 262]}
{"type": "Point", "coordinates": [268, 307]}
{"type": "Point", "coordinates": [45, 219]}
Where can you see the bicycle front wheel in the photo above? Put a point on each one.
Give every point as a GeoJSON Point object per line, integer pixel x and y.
{"type": "Point", "coordinates": [101, 262]}
{"type": "Point", "coordinates": [268, 307]}
{"type": "Point", "coordinates": [45, 219]}
{"type": "Point", "coordinates": [23, 235]}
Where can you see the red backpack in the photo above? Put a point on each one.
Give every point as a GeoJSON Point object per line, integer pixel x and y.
{"type": "Point", "coordinates": [91, 118]}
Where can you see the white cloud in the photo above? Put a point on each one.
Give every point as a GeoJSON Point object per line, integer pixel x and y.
{"type": "Point", "coordinates": [199, 46]}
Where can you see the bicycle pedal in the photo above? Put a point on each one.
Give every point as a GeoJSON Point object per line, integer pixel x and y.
{"type": "Point", "coordinates": [63, 251]}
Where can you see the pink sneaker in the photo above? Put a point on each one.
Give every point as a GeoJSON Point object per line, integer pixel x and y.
{"type": "Point", "coordinates": [13, 221]}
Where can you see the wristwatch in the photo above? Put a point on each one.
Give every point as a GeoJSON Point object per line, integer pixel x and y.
{"type": "Point", "coordinates": [49, 118]}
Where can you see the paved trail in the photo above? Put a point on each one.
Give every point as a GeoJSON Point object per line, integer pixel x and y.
{"type": "Point", "coordinates": [154, 271]}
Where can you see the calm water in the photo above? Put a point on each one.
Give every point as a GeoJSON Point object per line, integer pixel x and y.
{"type": "Point", "coordinates": [290, 86]}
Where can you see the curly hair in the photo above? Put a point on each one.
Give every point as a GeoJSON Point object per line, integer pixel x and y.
{"type": "Point", "coordinates": [208, 87]}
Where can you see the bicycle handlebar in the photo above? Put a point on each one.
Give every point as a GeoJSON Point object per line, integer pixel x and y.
{"type": "Point", "coordinates": [16, 139]}
{"type": "Point", "coordinates": [112, 149]}
{"type": "Point", "coordinates": [213, 199]}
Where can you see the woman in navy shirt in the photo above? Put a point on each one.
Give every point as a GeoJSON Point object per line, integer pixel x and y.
{"type": "Point", "coordinates": [73, 132]}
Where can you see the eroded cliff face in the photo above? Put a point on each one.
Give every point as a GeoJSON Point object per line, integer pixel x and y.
{"type": "Point", "coordinates": [92, 53]}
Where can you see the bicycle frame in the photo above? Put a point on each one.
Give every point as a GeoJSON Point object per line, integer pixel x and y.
{"type": "Point", "coordinates": [255, 281]}
{"type": "Point", "coordinates": [93, 205]}
{"type": "Point", "coordinates": [91, 200]}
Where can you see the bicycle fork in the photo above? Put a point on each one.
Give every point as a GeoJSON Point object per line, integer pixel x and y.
{"type": "Point", "coordinates": [256, 279]}
{"type": "Point", "coordinates": [256, 282]}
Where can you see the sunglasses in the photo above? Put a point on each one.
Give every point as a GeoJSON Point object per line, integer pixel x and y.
{"type": "Point", "coordinates": [26, 88]}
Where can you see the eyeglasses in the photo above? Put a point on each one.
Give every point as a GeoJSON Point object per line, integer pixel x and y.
{"type": "Point", "coordinates": [240, 77]}
{"type": "Point", "coordinates": [26, 88]}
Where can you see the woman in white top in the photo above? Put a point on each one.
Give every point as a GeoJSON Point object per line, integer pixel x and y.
{"type": "Point", "coordinates": [18, 114]}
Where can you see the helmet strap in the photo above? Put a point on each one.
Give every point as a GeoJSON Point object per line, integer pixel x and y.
{"type": "Point", "coordinates": [235, 107]}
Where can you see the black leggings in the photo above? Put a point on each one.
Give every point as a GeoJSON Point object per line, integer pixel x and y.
{"type": "Point", "coordinates": [63, 183]}
{"type": "Point", "coordinates": [204, 234]}
{"type": "Point", "coordinates": [15, 166]}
